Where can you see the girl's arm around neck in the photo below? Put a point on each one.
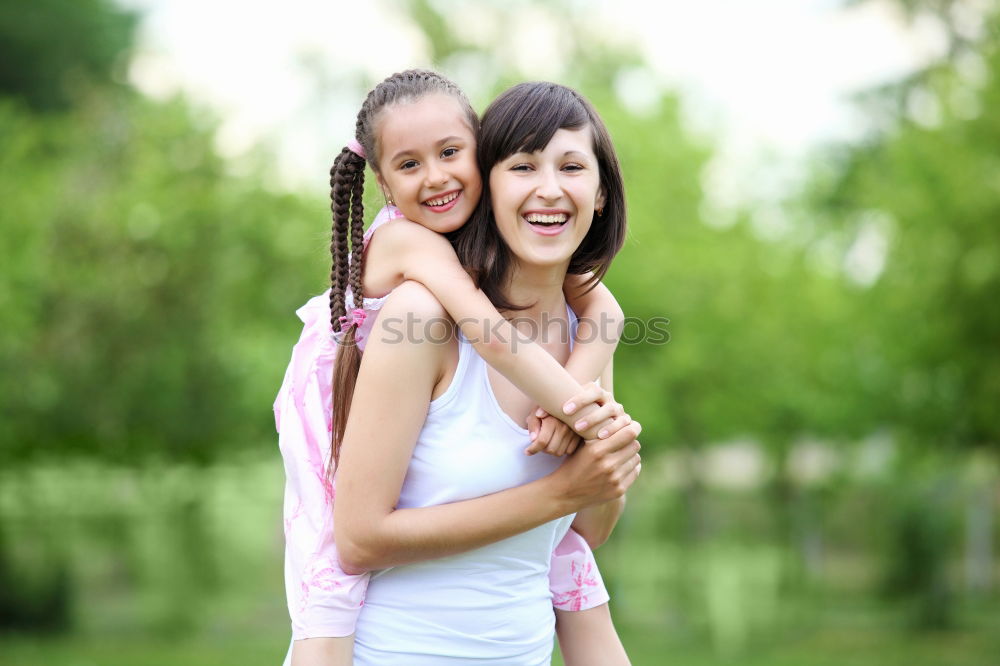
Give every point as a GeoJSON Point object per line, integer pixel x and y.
{"type": "Point", "coordinates": [401, 376]}
{"type": "Point", "coordinates": [370, 532]}
{"type": "Point", "coordinates": [599, 327]}
{"type": "Point", "coordinates": [403, 250]}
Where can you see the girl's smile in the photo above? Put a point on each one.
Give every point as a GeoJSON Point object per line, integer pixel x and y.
{"type": "Point", "coordinates": [443, 203]}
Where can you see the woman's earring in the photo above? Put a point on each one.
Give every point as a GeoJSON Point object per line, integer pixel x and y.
{"type": "Point", "coordinates": [600, 212]}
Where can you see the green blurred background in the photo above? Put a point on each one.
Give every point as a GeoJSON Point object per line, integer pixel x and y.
{"type": "Point", "coordinates": [821, 434]}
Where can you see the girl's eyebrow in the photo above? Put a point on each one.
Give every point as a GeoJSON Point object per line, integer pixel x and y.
{"type": "Point", "coordinates": [407, 151]}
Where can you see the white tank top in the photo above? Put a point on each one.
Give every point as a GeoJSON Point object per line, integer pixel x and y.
{"type": "Point", "coordinates": [491, 605]}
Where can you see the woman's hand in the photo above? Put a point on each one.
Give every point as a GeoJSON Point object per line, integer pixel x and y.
{"type": "Point", "coordinates": [550, 435]}
{"type": "Point", "coordinates": [602, 469]}
{"type": "Point", "coordinates": [600, 416]}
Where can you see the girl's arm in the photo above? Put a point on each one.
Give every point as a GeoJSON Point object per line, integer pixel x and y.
{"type": "Point", "coordinates": [403, 250]}
{"type": "Point", "coordinates": [370, 532]}
{"type": "Point", "coordinates": [595, 523]}
{"type": "Point", "coordinates": [599, 327]}
{"type": "Point", "coordinates": [588, 638]}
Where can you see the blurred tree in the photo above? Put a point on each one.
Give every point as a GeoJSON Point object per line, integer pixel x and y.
{"type": "Point", "coordinates": [916, 201]}
{"type": "Point", "coordinates": [49, 48]}
{"type": "Point", "coordinates": [144, 286]}
{"type": "Point", "coordinates": [922, 186]}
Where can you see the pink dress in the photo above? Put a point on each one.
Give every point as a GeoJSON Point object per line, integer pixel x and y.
{"type": "Point", "coordinates": [323, 600]}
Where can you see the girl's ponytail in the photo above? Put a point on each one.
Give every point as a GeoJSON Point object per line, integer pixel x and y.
{"type": "Point", "coordinates": [347, 182]}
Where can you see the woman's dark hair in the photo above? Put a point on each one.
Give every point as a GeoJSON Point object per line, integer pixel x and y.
{"type": "Point", "coordinates": [524, 119]}
{"type": "Point", "coordinates": [347, 182]}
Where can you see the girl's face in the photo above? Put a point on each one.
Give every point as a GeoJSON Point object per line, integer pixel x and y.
{"type": "Point", "coordinates": [544, 201]}
{"type": "Point", "coordinates": [427, 161]}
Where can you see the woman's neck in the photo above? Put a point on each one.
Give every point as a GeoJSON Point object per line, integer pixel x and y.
{"type": "Point", "coordinates": [540, 288]}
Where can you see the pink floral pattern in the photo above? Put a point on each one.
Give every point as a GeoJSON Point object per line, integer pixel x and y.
{"type": "Point", "coordinates": [584, 581]}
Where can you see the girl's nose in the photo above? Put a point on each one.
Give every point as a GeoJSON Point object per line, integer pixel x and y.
{"type": "Point", "coordinates": [436, 175]}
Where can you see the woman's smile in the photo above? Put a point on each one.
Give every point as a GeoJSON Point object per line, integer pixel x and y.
{"type": "Point", "coordinates": [547, 222]}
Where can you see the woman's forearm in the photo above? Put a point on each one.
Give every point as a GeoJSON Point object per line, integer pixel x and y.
{"type": "Point", "coordinates": [595, 476]}
{"type": "Point", "coordinates": [410, 535]}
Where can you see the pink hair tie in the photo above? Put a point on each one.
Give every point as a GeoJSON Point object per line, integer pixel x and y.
{"type": "Point", "coordinates": [357, 318]}
{"type": "Point", "coordinates": [356, 148]}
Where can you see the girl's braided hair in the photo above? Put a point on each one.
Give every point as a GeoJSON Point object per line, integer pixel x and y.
{"type": "Point", "coordinates": [347, 181]}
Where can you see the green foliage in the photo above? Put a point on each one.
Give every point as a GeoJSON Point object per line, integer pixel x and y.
{"type": "Point", "coordinates": [51, 48]}
{"type": "Point", "coordinates": [926, 185]}
{"type": "Point", "coordinates": [143, 285]}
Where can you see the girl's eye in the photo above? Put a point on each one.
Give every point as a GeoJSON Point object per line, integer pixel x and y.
{"type": "Point", "coordinates": [449, 152]}
{"type": "Point", "coordinates": [408, 164]}
{"type": "Point", "coordinates": [521, 167]}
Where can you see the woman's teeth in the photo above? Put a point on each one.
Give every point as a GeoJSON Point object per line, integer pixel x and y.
{"type": "Point", "coordinates": [448, 198]}
{"type": "Point", "coordinates": [538, 218]}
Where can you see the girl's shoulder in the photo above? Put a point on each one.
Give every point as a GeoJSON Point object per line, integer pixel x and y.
{"type": "Point", "coordinates": [386, 214]}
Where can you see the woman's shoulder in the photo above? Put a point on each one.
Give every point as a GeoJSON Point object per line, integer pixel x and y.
{"type": "Point", "coordinates": [416, 299]}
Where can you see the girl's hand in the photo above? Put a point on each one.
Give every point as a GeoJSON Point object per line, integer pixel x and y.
{"type": "Point", "coordinates": [602, 469]}
{"type": "Point", "coordinates": [550, 435]}
{"type": "Point", "coordinates": [600, 415]}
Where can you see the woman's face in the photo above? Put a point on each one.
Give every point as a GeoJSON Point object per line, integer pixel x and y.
{"type": "Point", "coordinates": [544, 201]}
{"type": "Point", "coordinates": [427, 161]}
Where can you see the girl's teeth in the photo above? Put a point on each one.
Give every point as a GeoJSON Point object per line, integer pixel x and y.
{"type": "Point", "coordinates": [538, 218]}
{"type": "Point", "coordinates": [443, 200]}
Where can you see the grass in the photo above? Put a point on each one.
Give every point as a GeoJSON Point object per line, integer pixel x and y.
{"type": "Point", "coordinates": [823, 647]}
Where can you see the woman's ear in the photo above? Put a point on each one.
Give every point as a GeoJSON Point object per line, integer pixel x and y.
{"type": "Point", "coordinates": [600, 201]}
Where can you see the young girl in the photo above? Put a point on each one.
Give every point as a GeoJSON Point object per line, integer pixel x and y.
{"type": "Point", "coordinates": [420, 131]}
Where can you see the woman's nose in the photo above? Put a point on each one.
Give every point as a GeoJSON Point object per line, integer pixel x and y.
{"type": "Point", "coordinates": [548, 185]}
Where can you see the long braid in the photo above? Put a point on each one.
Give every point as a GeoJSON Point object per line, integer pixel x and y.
{"type": "Point", "coordinates": [347, 179]}
{"type": "Point", "coordinates": [338, 241]}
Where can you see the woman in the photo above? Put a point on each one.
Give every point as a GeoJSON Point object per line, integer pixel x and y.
{"type": "Point", "coordinates": [452, 434]}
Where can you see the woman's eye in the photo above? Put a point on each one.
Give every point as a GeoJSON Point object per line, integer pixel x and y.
{"type": "Point", "coordinates": [448, 152]}
{"type": "Point", "coordinates": [573, 167]}
{"type": "Point", "coordinates": [521, 167]}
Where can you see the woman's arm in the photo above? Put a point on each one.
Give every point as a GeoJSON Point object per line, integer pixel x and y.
{"type": "Point", "coordinates": [370, 532]}
{"type": "Point", "coordinates": [416, 253]}
{"type": "Point", "coordinates": [596, 522]}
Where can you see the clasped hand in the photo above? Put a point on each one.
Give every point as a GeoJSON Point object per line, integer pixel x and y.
{"type": "Point", "coordinates": [598, 416]}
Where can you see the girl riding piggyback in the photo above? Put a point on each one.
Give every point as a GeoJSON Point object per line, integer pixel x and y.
{"type": "Point", "coordinates": [417, 131]}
